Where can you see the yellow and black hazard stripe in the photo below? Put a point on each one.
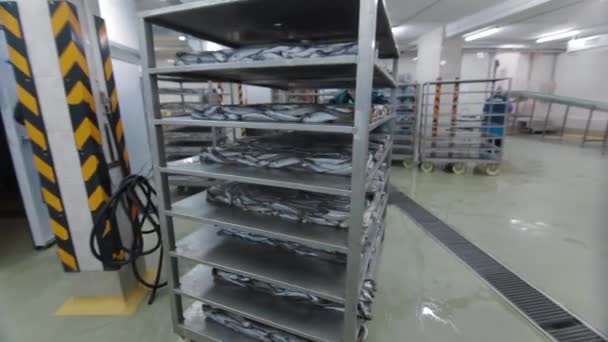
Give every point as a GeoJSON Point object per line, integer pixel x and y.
{"type": "Point", "coordinates": [29, 107]}
{"type": "Point", "coordinates": [114, 115]}
{"type": "Point", "coordinates": [75, 72]}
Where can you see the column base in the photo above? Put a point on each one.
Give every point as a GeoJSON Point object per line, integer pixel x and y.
{"type": "Point", "coordinates": [115, 293]}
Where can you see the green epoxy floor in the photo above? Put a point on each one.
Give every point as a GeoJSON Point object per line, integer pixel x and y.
{"type": "Point", "coordinates": [544, 217]}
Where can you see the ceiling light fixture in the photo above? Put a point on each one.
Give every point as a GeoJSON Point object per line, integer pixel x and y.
{"type": "Point", "coordinates": [557, 36]}
{"type": "Point", "coordinates": [512, 46]}
{"type": "Point", "coordinates": [481, 55]}
{"type": "Point", "coordinates": [182, 38]}
{"type": "Point", "coordinates": [398, 29]}
{"type": "Point", "coordinates": [588, 43]}
{"type": "Point", "coordinates": [481, 34]}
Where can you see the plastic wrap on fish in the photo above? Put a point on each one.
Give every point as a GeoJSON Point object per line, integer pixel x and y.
{"type": "Point", "coordinates": [292, 204]}
{"type": "Point", "coordinates": [366, 296]}
{"type": "Point", "coordinates": [291, 247]}
{"type": "Point", "coordinates": [288, 112]}
{"type": "Point", "coordinates": [266, 53]}
{"type": "Point", "coordinates": [257, 331]}
{"type": "Point", "coordinates": [299, 151]}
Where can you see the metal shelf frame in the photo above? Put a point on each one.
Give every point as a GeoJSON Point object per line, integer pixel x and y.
{"type": "Point", "coordinates": [364, 21]}
{"type": "Point", "coordinates": [404, 137]}
{"type": "Point", "coordinates": [568, 102]}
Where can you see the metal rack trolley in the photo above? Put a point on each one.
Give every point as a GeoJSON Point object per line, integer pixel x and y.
{"type": "Point", "coordinates": [404, 136]}
{"type": "Point", "coordinates": [458, 129]}
{"type": "Point", "coordinates": [568, 102]}
{"type": "Point", "coordinates": [365, 21]}
{"type": "Point", "coordinates": [183, 142]}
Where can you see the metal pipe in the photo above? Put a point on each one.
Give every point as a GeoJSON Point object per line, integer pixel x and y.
{"type": "Point", "coordinates": [532, 116]}
{"type": "Point", "coordinates": [364, 87]}
{"type": "Point", "coordinates": [605, 138]}
{"type": "Point", "coordinates": [563, 128]}
{"type": "Point", "coordinates": [587, 126]}
{"type": "Point", "coordinates": [547, 118]}
{"type": "Point", "coordinates": [514, 123]}
{"type": "Point", "coordinates": [158, 157]}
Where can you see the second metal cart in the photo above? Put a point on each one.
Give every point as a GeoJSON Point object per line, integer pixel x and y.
{"type": "Point", "coordinates": [463, 124]}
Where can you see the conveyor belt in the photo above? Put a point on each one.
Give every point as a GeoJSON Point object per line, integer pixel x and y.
{"type": "Point", "coordinates": [547, 315]}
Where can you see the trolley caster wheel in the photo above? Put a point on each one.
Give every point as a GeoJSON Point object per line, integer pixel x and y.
{"type": "Point", "coordinates": [408, 163]}
{"type": "Point", "coordinates": [458, 168]}
{"type": "Point", "coordinates": [427, 167]}
{"type": "Point", "coordinates": [492, 169]}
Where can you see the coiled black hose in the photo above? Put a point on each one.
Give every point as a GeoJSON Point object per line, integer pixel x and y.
{"type": "Point", "coordinates": [137, 190]}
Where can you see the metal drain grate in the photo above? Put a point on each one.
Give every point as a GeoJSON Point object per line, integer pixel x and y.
{"type": "Point", "coordinates": [543, 312]}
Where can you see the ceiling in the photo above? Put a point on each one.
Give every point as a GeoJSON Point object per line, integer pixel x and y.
{"type": "Point", "coordinates": [587, 16]}
{"type": "Point", "coordinates": [415, 17]}
{"type": "Point", "coordinates": [412, 18]}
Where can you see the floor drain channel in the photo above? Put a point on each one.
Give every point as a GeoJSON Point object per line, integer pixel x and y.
{"type": "Point", "coordinates": [551, 318]}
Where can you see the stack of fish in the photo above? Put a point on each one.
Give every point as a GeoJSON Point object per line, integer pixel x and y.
{"type": "Point", "coordinates": [293, 205]}
{"type": "Point", "coordinates": [265, 333]}
{"type": "Point", "coordinates": [292, 247]}
{"type": "Point", "coordinates": [366, 296]}
{"type": "Point", "coordinates": [296, 152]}
{"type": "Point", "coordinates": [294, 113]}
{"type": "Point", "coordinates": [256, 331]}
{"type": "Point", "coordinates": [266, 53]}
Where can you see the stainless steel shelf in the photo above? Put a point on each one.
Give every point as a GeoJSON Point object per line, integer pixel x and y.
{"type": "Point", "coordinates": [379, 122]}
{"type": "Point", "coordinates": [196, 328]}
{"type": "Point", "coordinates": [238, 23]}
{"type": "Point", "coordinates": [283, 269]}
{"type": "Point", "coordinates": [325, 128]}
{"type": "Point", "coordinates": [308, 322]}
{"type": "Point", "coordinates": [378, 164]}
{"type": "Point", "coordinates": [241, 23]}
{"type": "Point", "coordinates": [327, 184]}
{"type": "Point", "coordinates": [323, 72]}
{"type": "Point", "coordinates": [197, 208]}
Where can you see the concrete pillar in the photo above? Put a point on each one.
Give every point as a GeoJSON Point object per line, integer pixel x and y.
{"type": "Point", "coordinates": [439, 56]}
{"type": "Point", "coordinates": [80, 151]}
{"type": "Point", "coordinates": [429, 56]}
{"type": "Point", "coordinates": [451, 58]}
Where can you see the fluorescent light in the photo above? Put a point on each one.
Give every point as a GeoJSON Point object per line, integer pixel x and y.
{"type": "Point", "coordinates": [512, 46]}
{"type": "Point", "coordinates": [481, 55]}
{"type": "Point", "coordinates": [182, 38]}
{"type": "Point", "coordinates": [481, 34]}
{"type": "Point", "coordinates": [398, 29]}
{"type": "Point", "coordinates": [588, 43]}
{"type": "Point", "coordinates": [557, 36]}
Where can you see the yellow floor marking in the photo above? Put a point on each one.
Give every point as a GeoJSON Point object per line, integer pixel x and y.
{"type": "Point", "coordinates": [107, 305]}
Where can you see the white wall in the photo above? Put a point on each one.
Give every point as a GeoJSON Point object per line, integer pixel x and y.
{"type": "Point", "coordinates": [583, 75]}
{"type": "Point", "coordinates": [429, 55]}
{"type": "Point", "coordinates": [254, 95]}
{"type": "Point", "coordinates": [121, 21]}
{"type": "Point", "coordinates": [474, 67]}
{"type": "Point", "coordinates": [407, 66]}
